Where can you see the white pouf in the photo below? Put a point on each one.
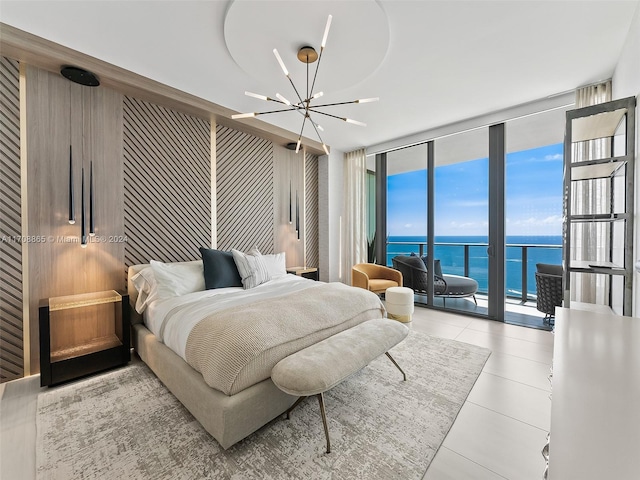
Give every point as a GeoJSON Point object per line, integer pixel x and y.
{"type": "Point", "coordinates": [399, 301]}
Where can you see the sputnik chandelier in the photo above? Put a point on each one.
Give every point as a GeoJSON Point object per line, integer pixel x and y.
{"type": "Point", "coordinates": [305, 107]}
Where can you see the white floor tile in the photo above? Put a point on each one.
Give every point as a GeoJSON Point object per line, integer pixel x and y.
{"type": "Point", "coordinates": [522, 402]}
{"type": "Point", "coordinates": [519, 369]}
{"type": "Point", "coordinates": [512, 346]}
{"type": "Point", "coordinates": [512, 331]}
{"type": "Point", "coordinates": [437, 329]}
{"type": "Point", "coordinates": [448, 465]}
{"type": "Point", "coordinates": [499, 443]}
{"type": "Point", "coordinates": [442, 317]}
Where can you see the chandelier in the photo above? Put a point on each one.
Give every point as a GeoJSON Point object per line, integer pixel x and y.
{"type": "Point", "coordinates": [305, 106]}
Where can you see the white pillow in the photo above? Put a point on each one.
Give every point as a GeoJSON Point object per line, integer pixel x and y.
{"type": "Point", "coordinates": [145, 283]}
{"type": "Point", "coordinates": [251, 268]}
{"type": "Point", "coordinates": [175, 279]}
{"type": "Point", "coordinates": [276, 264]}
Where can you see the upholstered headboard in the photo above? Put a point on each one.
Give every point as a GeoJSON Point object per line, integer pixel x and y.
{"type": "Point", "coordinates": [133, 292]}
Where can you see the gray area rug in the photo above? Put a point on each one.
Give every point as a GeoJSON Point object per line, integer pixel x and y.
{"type": "Point", "coordinates": [126, 424]}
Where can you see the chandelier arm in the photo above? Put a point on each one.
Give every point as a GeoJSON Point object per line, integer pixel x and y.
{"type": "Point", "coordinates": [278, 111]}
{"type": "Point", "coordinates": [316, 129]}
{"type": "Point", "coordinates": [333, 104]}
{"type": "Point", "coordinates": [296, 90]}
{"type": "Point", "coordinates": [328, 114]}
{"type": "Point", "coordinates": [316, 74]}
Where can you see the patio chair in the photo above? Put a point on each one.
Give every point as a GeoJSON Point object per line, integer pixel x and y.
{"type": "Point", "coordinates": [414, 272]}
{"type": "Point", "coordinates": [549, 290]}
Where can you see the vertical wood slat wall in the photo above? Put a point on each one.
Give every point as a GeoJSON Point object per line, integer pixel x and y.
{"type": "Point", "coordinates": [60, 113]}
{"type": "Point", "coordinates": [167, 183]}
{"type": "Point", "coordinates": [11, 335]}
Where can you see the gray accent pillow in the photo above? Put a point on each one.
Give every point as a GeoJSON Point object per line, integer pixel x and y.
{"type": "Point", "coordinates": [437, 268]}
{"type": "Point", "coordinates": [219, 269]}
{"type": "Point", "coordinates": [252, 268]}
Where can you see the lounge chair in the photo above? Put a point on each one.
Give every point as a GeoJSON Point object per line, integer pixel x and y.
{"type": "Point", "coordinates": [415, 276]}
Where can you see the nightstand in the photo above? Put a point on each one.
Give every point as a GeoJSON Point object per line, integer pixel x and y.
{"type": "Point", "coordinates": [311, 273]}
{"type": "Point", "coordinates": [83, 334]}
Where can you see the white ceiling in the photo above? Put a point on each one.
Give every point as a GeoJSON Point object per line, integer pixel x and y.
{"type": "Point", "coordinates": [430, 62]}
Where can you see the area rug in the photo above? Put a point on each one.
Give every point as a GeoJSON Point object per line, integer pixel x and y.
{"type": "Point", "coordinates": [126, 424]}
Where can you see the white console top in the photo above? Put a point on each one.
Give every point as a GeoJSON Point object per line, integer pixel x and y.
{"type": "Point", "coordinates": [595, 408]}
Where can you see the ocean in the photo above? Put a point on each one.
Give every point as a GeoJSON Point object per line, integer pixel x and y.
{"type": "Point", "coordinates": [450, 252]}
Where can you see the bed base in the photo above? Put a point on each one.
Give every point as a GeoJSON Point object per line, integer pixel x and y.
{"type": "Point", "coordinates": [228, 419]}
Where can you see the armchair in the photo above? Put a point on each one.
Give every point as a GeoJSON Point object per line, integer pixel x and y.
{"type": "Point", "coordinates": [548, 289]}
{"type": "Point", "coordinates": [376, 278]}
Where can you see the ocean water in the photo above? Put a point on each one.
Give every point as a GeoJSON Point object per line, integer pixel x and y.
{"type": "Point", "coordinates": [450, 252]}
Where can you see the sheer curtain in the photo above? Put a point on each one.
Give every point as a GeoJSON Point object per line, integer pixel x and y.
{"type": "Point", "coordinates": [353, 229]}
{"type": "Point", "coordinates": [591, 240]}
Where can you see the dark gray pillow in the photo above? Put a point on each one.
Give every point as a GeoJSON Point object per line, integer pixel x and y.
{"type": "Point", "coordinates": [437, 268]}
{"type": "Point", "coordinates": [549, 269]}
{"type": "Point", "coordinates": [219, 269]}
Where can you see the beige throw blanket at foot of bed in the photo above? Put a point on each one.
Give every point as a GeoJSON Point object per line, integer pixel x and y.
{"type": "Point", "coordinates": [238, 347]}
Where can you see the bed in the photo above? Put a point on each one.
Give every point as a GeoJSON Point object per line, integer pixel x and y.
{"type": "Point", "coordinates": [231, 408]}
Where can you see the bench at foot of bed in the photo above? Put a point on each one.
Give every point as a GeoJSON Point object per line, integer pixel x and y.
{"type": "Point", "coordinates": [322, 366]}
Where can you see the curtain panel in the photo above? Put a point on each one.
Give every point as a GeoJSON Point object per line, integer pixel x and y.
{"type": "Point", "coordinates": [354, 228]}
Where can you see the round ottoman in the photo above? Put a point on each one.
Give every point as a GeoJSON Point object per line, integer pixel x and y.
{"type": "Point", "coordinates": [399, 302]}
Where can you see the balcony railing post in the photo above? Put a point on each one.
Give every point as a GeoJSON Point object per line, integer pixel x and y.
{"type": "Point", "coordinates": [466, 260]}
{"type": "Point", "coordinates": [421, 246]}
{"type": "Point", "coordinates": [525, 268]}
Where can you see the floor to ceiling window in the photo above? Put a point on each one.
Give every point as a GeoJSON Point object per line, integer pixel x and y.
{"type": "Point", "coordinates": [494, 211]}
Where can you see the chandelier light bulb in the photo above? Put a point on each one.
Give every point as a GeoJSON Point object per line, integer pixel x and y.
{"type": "Point", "coordinates": [256, 95]}
{"type": "Point", "coordinates": [326, 32]}
{"type": "Point", "coordinates": [284, 69]}
{"type": "Point", "coordinates": [355, 122]}
{"type": "Point", "coordinates": [319, 127]}
{"type": "Point", "coordinates": [298, 146]}
{"type": "Point", "coordinates": [282, 99]}
{"type": "Point", "coordinates": [243, 115]}
{"type": "Point", "coordinates": [317, 95]}
{"type": "Point", "coordinates": [367, 100]}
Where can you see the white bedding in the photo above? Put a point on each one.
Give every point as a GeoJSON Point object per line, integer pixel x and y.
{"type": "Point", "coordinates": [173, 329]}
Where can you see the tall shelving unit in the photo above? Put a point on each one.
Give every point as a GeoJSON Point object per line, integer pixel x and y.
{"type": "Point", "coordinates": [599, 166]}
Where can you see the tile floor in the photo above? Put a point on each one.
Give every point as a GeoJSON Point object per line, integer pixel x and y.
{"type": "Point", "coordinates": [498, 434]}
{"type": "Point", "coordinates": [502, 426]}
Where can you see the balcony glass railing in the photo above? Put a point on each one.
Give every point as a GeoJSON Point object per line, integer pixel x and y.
{"type": "Point", "coordinates": [471, 260]}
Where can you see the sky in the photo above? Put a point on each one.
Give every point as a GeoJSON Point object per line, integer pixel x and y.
{"type": "Point", "coordinates": [533, 197]}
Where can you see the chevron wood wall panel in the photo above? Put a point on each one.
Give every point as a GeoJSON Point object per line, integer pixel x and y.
{"type": "Point", "coordinates": [311, 210]}
{"type": "Point", "coordinates": [244, 191]}
{"type": "Point", "coordinates": [11, 328]}
{"type": "Point", "coordinates": [167, 183]}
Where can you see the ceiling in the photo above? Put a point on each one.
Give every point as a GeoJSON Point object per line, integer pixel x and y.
{"type": "Point", "coordinates": [431, 62]}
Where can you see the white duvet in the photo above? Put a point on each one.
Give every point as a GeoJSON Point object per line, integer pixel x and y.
{"type": "Point", "coordinates": [171, 320]}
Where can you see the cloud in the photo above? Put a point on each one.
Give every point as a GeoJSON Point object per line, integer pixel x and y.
{"type": "Point", "coordinates": [469, 203]}
{"type": "Point", "coordinates": [536, 222]}
{"type": "Point", "coordinates": [553, 158]}
{"type": "Point", "coordinates": [408, 225]}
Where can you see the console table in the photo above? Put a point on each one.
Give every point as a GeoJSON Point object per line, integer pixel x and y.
{"type": "Point", "coordinates": [595, 407]}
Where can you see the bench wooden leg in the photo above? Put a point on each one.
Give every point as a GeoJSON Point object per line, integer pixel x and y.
{"type": "Point", "coordinates": [324, 421]}
{"type": "Point", "coordinates": [294, 406]}
{"type": "Point", "coordinates": [396, 364]}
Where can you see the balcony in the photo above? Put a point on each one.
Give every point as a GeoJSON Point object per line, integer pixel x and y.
{"type": "Point", "coordinates": [471, 260]}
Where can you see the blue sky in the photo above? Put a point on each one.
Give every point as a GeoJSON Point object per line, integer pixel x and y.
{"type": "Point", "coordinates": [534, 197]}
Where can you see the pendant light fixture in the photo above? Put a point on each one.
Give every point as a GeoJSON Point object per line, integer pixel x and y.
{"type": "Point", "coordinates": [305, 107]}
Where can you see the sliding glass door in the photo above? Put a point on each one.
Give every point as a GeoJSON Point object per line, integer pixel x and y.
{"type": "Point", "coordinates": [461, 215]}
